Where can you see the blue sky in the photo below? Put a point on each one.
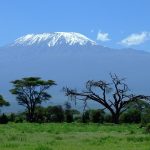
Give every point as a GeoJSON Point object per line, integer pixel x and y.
{"type": "Point", "coordinates": [113, 23]}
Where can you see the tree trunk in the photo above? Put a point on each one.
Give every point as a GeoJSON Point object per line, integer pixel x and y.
{"type": "Point", "coordinates": [115, 118]}
{"type": "Point", "coordinates": [30, 115]}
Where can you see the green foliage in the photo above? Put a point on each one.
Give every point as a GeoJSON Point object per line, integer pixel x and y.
{"type": "Point", "coordinates": [3, 119]}
{"type": "Point", "coordinates": [139, 105]}
{"type": "Point", "coordinates": [40, 114]}
{"type": "Point", "coordinates": [97, 116]}
{"type": "Point", "coordinates": [31, 92]}
{"type": "Point", "coordinates": [12, 117]}
{"type": "Point", "coordinates": [3, 102]}
{"type": "Point", "coordinates": [131, 116]}
{"type": "Point", "coordinates": [86, 116]}
{"type": "Point", "coordinates": [145, 118]}
{"type": "Point", "coordinates": [108, 118]}
{"type": "Point", "coordinates": [17, 117]}
{"type": "Point", "coordinates": [55, 113]}
{"type": "Point", "coordinates": [137, 112]}
{"type": "Point", "coordinates": [31, 88]}
{"type": "Point", "coordinates": [147, 129]}
{"type": "Point", "coordinates": [68, 116]}
{"type": "Point", "coordinates": [68, 113]}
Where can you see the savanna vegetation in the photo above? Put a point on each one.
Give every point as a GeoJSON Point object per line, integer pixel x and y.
{"type": "Point", "coordinates": [73, 136]}
{"type": "Point", "coordinates": [122, 121]}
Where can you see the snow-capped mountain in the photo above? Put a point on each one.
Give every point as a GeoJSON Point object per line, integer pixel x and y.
{"type": "Point", "coordinates": [70, 59]}
{"type": "Point", "coordinates": [53, 39]}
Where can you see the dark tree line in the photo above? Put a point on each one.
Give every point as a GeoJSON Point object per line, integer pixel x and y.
{"type": "Point", "coordinates": [63, 113]}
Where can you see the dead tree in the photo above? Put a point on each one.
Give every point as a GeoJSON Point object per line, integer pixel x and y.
{"type": "Point", "coordinates": [112, 96]}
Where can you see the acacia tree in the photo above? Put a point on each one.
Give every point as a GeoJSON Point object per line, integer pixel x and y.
{"type": "Point", "coordinates": [112, 96]}
{"type": "Point", "coordinates": [31, 92]}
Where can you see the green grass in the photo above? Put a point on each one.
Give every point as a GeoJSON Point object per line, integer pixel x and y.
{"type": "Point", "coordinates": [73, 136]}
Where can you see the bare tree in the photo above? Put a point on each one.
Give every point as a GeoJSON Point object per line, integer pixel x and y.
{"type": "Point", "coordinates": [112, 96]}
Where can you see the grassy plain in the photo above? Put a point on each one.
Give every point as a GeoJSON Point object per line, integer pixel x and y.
{"type": "Point", "coordinates": [75, 136]}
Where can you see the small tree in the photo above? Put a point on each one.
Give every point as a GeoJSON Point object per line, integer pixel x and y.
{"type": "Point", "coordinates": [31, 92]}
{"type": "Point", "coordinates": [112, 96]}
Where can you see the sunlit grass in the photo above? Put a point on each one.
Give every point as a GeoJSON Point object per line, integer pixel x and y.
{"type": "Point", "coordinates": [73, 136]}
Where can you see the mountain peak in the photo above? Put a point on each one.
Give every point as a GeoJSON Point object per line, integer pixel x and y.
{"type": "Point", "coordinates": [54, 39]}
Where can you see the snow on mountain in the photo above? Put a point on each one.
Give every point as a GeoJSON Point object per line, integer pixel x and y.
{"type": "Point", "coordinates": [54, 39]}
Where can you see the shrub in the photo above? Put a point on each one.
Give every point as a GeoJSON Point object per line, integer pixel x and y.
{"type": "Point", "coordinates": [40, 114]}
{"type": "Point", "coordinates": [108, 118]}
{"type": "Point", "coordinates": [145, 119]}
{"type": "Point", "coordinates": [77, 118]}
{"type": "Point", "coordinates": [86, 116]}
{"type": "Point", "coordinates": [69, 116]}
{"type": "Point", "coordinates": [97, 116]}
{"type": "Point", "coordinates": [147, 129]}
{"type": "Point", "coordinates": [18, 119]}
{"type": "Point", "coordinates": [3, 119]}
{"type": "Point", "coordinates": [12, 117]}
{"type": "Point", "coordinates": [68, 113]}
{"type": "Point", "coordinates": [131, 116]}
{"type": "Point", "coordinates": [55, 114]}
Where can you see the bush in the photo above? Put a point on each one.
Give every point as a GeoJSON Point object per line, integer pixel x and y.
{"type": "Point", "coordinates": [18, 119]}
{"type": "Point", "coordinates": [55, 114]}
{"type": "Point", "coordinates": [12, 117]}
{"type": "Point", "coordinates": [40, 114]}
{"type": "Point", "coordinates": [108, 118]}
{"type": "Point", "coordinates": [68, 116]}
{"type": "Point", "coordinates": [131, 116]}
{"type": "Point", "coordinates": [145, 119]}
{"type": "Point", "coordinates": [68, 112]}
{"type": "Point", "coordinates": [147, 129]}
{"type": "Point", "coordinates": [86, 117]}
{"type": "Point", "coordinates": [97, 116]}
{"type": "Point", "coordinates": [3, 119]}
{"type": "Point", "coordinates": [77, 118]}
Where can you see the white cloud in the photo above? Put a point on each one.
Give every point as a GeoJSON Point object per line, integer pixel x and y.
{"type": "Point", "coordinates": [101, 36]}
{"type": "Point", "coordinates": [135, 39]}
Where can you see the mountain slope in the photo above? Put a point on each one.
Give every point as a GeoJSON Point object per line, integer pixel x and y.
{"type": "Point", "coordinates": [71, 64]}
{"type": "Point", "coordinates": [53, 39]}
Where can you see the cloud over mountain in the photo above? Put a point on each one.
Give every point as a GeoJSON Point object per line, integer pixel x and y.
{"type": "Point", "coordinates": [102, 36]}
{"type": "Point", "coordinates": [135, 39]}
